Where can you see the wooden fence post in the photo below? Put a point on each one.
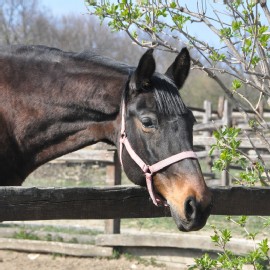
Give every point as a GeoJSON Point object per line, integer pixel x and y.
{"type": "Point", "coordinates": [220, 107]}
{"type": "Point", "coordinates": [227, 121]}
{"type": "Point", "coordinates": [207, 105]}
{"type": "Point", "coordinates": [113, 177]}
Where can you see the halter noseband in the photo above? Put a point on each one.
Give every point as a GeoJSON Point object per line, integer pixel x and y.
{"type": "Point", "coordinates": [147, 169]}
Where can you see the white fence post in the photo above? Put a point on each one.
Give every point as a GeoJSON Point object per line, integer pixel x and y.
{"type": "Point", "coordinates": [227, 121]}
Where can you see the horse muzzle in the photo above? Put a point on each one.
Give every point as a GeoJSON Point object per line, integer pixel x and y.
{"type": "Point", "coordinates": [194, 215]}
{"type": "Point", "coordinates": [189, 198]}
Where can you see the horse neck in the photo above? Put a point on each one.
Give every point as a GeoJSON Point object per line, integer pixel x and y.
{"type": "Point", "coordinates": [80, 108]}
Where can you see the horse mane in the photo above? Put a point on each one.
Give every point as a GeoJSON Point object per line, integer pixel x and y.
{"type": "Point", "coordinates": [104, 61]}
{"type": "Point", "coordinates": [50, 54]}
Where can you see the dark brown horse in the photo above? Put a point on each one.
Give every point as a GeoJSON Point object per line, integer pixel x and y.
{"type": "Point", "coordinates": [55, 102]}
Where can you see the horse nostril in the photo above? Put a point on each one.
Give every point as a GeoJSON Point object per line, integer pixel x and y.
{"type": "Point", "coordinates": [190, 208]}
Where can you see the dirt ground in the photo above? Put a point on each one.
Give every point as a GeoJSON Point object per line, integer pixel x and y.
{"type": "Point", "coordinates": [10, 260]}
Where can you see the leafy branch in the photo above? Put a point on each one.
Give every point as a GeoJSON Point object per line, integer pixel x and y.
{"type": "Point", "coordinates": [258, 258]}
{"type": "Point", "coordinates": [160, 24]}
{"type": "Point", "coordinates": [229, 146]}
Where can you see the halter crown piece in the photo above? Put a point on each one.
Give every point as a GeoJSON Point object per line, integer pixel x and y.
{"type": "Point", "coordinates": [147, 169]}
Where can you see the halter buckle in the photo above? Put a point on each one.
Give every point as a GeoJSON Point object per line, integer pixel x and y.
{"type": "Point", "coordinates": [146, 170]}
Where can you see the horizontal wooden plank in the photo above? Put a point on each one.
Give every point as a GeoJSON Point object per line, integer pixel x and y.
{"type": "Point", "coordinates": [179, 240]}
{"type": "Point", "coordinates": [236, 114]}
{"type": "Point", "coordinates": [104, 244]}
{"type": "Point", "coordinates": [21, 203]}
{"type": "Point", "coordinates": [207, 141]}
{"type": "Point", "coordinates": [80, 250]}
{"type": "Point", "coordinates": [101, 146]}
{"type": "Point", "coordinates": [87, 155]}
{"type": "Point", "coordinates": [208, 126]}
{"type": "Point", "coordinates": [241, 201]}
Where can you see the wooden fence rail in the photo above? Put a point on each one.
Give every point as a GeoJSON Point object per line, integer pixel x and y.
{"type": "Point", "coordinates": [21, 203]}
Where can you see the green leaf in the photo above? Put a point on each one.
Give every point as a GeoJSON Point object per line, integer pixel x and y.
{"type": "Point", "coordinates": [264, 38]}
{"type": "Point", "coordinates": [226, 235]}
{"type": "Point", "coordinates": [262, 29]}
{"type": "Point", "coordinates": [251, 236]}
{"type": "Point", "coordinates": [215, 238]}
{"type": "Point", "coordinates": [173, 5]}
{"type": "Point", "coordinates": [242, 221]}
{"type": "Point", "coordinates": [217, 57]}
{"type": "Point", "coordinates": [255, 60]}
{"type": "Point", "coordinates": [236, 25]}
{"type": "Point", "coordinates": [264, 247]}
{"type": "Point", "coordinates": [226, 32]}
{"type": "Point", "coordinates": [247, 45]}
{"type": "Point", "coordinates": [180, 20]}
{"type": "Point", "coordinates": [212, 149]}
{"type": "Point", "coordinates": [236, 84]}
{"type": "Point", "coordinates": [205, 263]}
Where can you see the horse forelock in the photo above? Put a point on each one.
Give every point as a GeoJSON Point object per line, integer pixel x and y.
{"type": "Point", "coordinates": [167, 97]}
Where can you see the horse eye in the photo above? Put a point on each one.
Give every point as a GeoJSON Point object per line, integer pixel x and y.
{"type": "Point", "coordinates": [148, 122]}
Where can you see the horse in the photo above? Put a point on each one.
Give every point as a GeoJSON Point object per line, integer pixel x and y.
{"type": "Point", "coordinates": [55, 102]}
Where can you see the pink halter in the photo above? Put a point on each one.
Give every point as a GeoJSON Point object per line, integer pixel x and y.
{"type": "Point", "coordinates": [147, 169]}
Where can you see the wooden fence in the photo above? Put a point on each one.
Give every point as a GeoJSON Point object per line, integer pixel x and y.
{"type": "Point", "coordinates": [21, 203]}
{"type": "Point", "coordinates": [209, 120]}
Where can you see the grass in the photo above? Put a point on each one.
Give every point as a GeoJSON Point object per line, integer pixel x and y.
{"type": "Point", "coordinates": [52, 233]}
{"type": "Point", "coordinates": [54, 229]}
{"type": "Point", "coordinates": [23, 234]}
{"type": "Point", "coordinates": [61, 175]}
{"type": "Point", "coordinates": [154, 224]}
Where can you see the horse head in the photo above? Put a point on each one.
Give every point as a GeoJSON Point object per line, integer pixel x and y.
{"type": "Point", "coordinates": [158, 125]}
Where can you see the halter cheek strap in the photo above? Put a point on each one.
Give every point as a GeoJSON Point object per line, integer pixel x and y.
{"type": "Point", "coordinates": [147, 169]}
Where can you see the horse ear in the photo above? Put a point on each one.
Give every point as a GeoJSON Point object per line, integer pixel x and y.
{"type": "Point", "coordinates": [179, 69]}
{"type": "Point", "coordinates": [145, 70]}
